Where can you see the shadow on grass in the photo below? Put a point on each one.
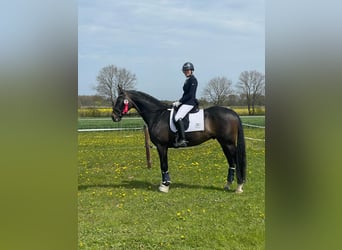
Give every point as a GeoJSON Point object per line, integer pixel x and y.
{"type": "Point", "coordinates": [148, 186]}
{"type": "Point", "coordinates": [124, 184]}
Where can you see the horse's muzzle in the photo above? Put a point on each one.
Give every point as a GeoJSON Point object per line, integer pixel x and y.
{"type": "Point", "coordinates": [116, 118]}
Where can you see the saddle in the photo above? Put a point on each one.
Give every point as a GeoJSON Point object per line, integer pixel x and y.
{"type": "Point", "coordinates": [193, 121]}
{"type": "Point", "coordinates": [186, 119]}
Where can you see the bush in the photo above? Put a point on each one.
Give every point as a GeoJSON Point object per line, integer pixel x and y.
{"type": "Point", "coordinates": [243, 110]}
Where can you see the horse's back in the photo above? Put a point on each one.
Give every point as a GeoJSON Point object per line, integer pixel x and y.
{"type": "Point", "coordinates": [220, 121]}
{"type": "Point", "coordinates": [218, 112]}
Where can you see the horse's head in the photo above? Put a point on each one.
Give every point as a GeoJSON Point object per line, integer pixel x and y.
{"type": "Point", "coordinates": [121, 106]}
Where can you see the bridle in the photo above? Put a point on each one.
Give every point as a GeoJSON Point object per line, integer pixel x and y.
{"type": "Point", "coordinates": [126, 102]}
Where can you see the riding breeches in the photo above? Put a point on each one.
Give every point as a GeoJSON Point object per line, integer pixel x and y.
{"type": "Point", "coordinates": [182, 111]}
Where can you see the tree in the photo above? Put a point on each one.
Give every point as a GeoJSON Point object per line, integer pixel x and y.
{"type": "Point", "coordinates": [110, 78]}
{"type": "Point", "coordinates": [252, 85]}
{"type": "Point", "coordinates": [217, 90]}
{"type": "Point", "coordinates": [234, 100]}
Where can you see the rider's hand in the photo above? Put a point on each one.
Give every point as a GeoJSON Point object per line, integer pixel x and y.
{"type": "Point", "coordinates": [176, 104]}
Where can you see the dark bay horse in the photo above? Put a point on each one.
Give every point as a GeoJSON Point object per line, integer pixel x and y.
{"type": "Point", "coordinates": [220, 123]}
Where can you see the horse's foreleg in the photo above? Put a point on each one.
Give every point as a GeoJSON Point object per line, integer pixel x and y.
{"type": "Point", "coordinates": [165, 184]}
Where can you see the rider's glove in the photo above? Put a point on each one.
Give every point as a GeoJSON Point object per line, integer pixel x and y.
{"type": "Point", "coordinates": [176, 104]}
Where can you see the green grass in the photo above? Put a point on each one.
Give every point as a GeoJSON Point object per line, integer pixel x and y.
{"type": "Point", "coordinates": [119, 206]}
{"type": "Point", "coordinates": [253, 120]}
{"type": "Point", "coordinates": [107, 122]}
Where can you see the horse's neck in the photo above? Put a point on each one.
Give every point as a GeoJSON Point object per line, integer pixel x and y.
{"type": "Point", "coordinates": [147, 110]}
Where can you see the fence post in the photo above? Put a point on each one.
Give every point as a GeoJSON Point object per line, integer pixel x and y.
{"type": "Point", "coordinates": [147, 147]}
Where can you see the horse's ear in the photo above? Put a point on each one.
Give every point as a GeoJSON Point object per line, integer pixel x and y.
{"type": "Point", "coordinates": [120, 89]}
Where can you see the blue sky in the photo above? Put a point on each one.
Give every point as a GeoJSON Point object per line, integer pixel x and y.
{"type": "Point", "coordinates": [152, 39]}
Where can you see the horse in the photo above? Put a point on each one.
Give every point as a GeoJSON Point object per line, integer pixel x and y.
{"type": "Point", "coordinates": [220, 123]}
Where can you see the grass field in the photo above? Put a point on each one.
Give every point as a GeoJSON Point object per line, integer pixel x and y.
{"type": "Point", "coordinates": [119, 206]}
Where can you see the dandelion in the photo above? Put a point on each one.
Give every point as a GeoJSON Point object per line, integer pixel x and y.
{"type": "Point", "coordinates": [180, 216]}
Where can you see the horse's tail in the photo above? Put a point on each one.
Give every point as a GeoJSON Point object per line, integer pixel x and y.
{"type": "Point", "coordinates": [241, 160]}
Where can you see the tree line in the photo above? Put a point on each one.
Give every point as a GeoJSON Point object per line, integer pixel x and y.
{"type": "Point", "coordinates": [249, 90]}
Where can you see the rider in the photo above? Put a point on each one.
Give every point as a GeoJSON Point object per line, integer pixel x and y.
{"type": "Point", "coordinates": [186, 103]}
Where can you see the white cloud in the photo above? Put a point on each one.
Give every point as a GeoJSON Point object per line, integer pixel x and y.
{"type": "Point", "coordinates": [140, 33]}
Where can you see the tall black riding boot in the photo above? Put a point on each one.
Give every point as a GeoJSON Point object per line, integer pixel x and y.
{"type": "Point", "coordinates": [180, 138]}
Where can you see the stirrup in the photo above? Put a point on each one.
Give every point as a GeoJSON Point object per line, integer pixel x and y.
{"type": "Point", "coordinates": [181, 143]}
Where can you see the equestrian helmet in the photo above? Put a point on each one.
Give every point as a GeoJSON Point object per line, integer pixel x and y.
{"type": "Point", "coordinates": [188, 65]}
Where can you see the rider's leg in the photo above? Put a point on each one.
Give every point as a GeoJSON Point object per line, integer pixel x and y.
{"type": "Point", "coordinates": [181, 113]}
{"type": "Point", "coordinates": [180, 139]}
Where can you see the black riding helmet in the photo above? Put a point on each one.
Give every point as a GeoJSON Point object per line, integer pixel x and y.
{"type": "Point", "coordinates": [188, 65]}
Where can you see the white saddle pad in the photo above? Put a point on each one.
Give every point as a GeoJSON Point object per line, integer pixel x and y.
{"type": "Point", "coordinates": [196, 121]}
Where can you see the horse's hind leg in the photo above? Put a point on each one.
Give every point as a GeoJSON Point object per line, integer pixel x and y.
{"type": "Point", "coordinates": [229, 151]}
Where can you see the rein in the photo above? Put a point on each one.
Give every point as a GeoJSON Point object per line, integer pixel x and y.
{"type": "Point", "coordinates": [126, 102]}
{"type": "Point", "coordinates": [128, 99]}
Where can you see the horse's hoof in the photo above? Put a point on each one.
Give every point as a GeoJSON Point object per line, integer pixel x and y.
{"type": "Point", "coordinates": [227, 186]}
{"type": "Point", "coordinates": [239, 189]}
{"type": "Point", "coordinates": [163, 188]}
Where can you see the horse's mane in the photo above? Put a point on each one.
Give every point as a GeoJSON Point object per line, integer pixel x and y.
{"type": "Point", "coordinates": [147, 98]}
